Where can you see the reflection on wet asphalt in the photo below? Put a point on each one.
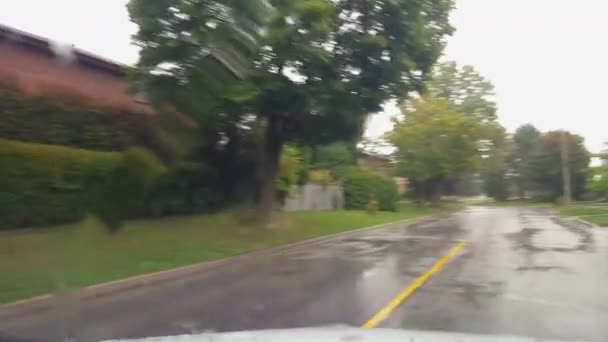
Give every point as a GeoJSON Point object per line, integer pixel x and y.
{"type": "Point", "coordinates": [522, 272]}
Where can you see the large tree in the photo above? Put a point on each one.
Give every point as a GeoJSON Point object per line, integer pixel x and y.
{"type": "Point", "coordinates": [434, 143]}
{"type": "Point", "coordinates": [472, 95]}
{"type": "Point", "coordinates": [317, 67]}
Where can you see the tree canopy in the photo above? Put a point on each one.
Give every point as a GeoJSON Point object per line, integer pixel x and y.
{"type": "Point", "coordinates": [465, 89]}
{"type": "Point", "coordinates": [434, 142]}
{"type": "Point", "coordinates": [545, 166]}
{"type": "Point", "coordinates": [525, 140]}
{"type": "Point", "coordinates": [316, 68]}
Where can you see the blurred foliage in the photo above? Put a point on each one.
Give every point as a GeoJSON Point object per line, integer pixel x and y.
{"type": "Point", "coordinates": [496, 185]}
{"type": "Point", "coordinates": [597, 181]}
{"type": "Point", "coordinates": [434, 143]}
{"type": "Point", "coordinates": [290, 168]}
{"type": "Point", "coordinates": [44, 185]}
{"type": "Point", "coordinates": [312, 78]}
{"type": "Point", "coordinates": [333, 155]}
{"type": "Point", "coordinates": [471, 95]}
{"type": "Point", "coordinates": [119, 194]}
{"type": "Point", "coordinates": [545, 164]}
{"type": "Point", "coordinates": [69, 119]}
{"type": "Point", "coordinates": [187, 188]}
{"type": "Point", "coordinates": [467, 91]}
{"type": "Point", "coordinates": [359, 186]}
{"type": "Point", "coordinates": [47, 185]}
{"type": "Point", "coordinates": [320, 176]}
{"type": "Point", "coordinates": [525, 142]}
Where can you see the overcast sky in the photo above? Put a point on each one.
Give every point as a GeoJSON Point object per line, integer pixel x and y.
{"type": "Point", "coordinates": [548, 59]}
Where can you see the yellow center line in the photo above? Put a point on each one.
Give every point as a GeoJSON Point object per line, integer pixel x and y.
{"type": "Point", "coordinates": [386, 311]}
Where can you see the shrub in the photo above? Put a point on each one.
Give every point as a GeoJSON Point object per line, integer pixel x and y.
{"type": "Point", "coordinates": [186, 189]}
{"type": "Point", "coordinates": [360, 186]}
{"type": "Point", "coordinates": [69, 119]}
{"type": "Point", "coordinates": [42, 185]}
{"type": "Point", "coordinates": [120, 193]}
{"type": "Point", "coordinates": [46, 185]}
{"type": "Point", "coordinates": [321, 177]}
{"type": "Point", "coordinates": [290, 167]}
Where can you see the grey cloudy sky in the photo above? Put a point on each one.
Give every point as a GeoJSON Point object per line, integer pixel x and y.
{"type": "Point", "coordinates": [547, 58]}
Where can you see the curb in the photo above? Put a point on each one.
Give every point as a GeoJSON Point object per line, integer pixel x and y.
{"type": "Point", "coordinates": [45, 302]}
{"type": "Point", "coordinates": [584, 222]}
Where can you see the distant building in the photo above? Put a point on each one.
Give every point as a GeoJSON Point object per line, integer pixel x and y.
{"type": "Point", "coordinates": [376, 164]}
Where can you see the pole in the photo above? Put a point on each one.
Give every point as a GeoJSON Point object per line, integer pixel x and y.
{"type": "Point", "coordinates": [567, 195]}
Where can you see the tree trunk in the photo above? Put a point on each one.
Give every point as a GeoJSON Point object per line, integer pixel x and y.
{"type": "Point", "coordinates": [433, 191]}
{"type": "Point", "coordinates": [273, 145]}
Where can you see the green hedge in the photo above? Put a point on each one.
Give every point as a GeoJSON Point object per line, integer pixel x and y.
{"type": "Point", "coordinates": [71, 120]}
{"type": "Point", "coordinates": [44, 184]}
{"type": "Point", "coordinates": [360, 186]}
{"type": "Point", "coordinates": [186, 189]}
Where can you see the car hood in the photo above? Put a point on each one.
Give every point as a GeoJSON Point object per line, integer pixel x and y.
{"type": "Point", "coordinates": [335, 334]}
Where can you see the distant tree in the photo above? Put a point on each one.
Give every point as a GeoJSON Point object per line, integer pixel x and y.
{"type": "Point", "coordinates": [525, 141]}
{"type": "Point", "coordinates": [494, 162]}
{"type": "Point", "coordinates": [545, 170]}
{"type": "Point", "coordinates": [465, 89]}
{"type": "Point", "coordinates": [317, 67]}
{"type": "Point", "coordinates": [471, 95]}
{"type": "Point", "coordinates": [434, 142]}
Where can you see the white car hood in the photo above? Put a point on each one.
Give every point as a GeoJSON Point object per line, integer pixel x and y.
{"type": "Point", "coordinates": [334, 334]}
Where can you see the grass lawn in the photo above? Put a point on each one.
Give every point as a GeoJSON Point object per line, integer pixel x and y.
{"type": "Point", "coordinates": [595, 213]}
{"type": "Point", "coordinates": [35, 262]}
{"type": "Point", "coordinates": [600, 220]}
{"type": "Point", "coordinates": [578, 210]}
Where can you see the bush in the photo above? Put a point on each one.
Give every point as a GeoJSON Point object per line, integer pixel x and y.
{"type": "Point", "coordinates": [42, 185]}
{"type": "Point", "coordinates": [121, 193]}
{"type": "Point", "coordinates": [321, 177]}
{"type": "Point", "coordinates": [46, 185]}
{"type": "Point", "coordinates": [72, 120]}
{"type": "Point", "coordinates": [186, 189]}
{"type": "Point", "coordinates": [360, 186]}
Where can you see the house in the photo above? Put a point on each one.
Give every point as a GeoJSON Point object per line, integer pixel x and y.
{"type": "Point", "coordinates": [383, 166]}
{"type": "Point", "coordinates": [41, 65]}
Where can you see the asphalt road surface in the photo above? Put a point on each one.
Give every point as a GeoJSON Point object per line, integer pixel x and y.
{"type": "Point", "coordinates": [521, 272]}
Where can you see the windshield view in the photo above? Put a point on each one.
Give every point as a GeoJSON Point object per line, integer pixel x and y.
{"type": "Point", "coordinates": [303, 170]}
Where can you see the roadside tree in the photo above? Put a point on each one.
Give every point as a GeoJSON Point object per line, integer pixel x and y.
{"type": "Point", "coordinates": [434, 142]}
{"type": "Point", "coordinates": [525, 140]}
{"type": "Point", "coordinates": [545, 166]}
{"type": "Point", "coordinates": [317, 67]}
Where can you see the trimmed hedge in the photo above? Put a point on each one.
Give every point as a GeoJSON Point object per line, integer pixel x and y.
{"type": "Point", "coordinates": [68, 119]}
{"type": "Point", "coordinates": [361, 186]}
{"type": "Point", "coordinates": [43, 185]}
{"type": "Point", "coordinates": [186, 189]}
{"type": "Point", "coordinates": [46, 185]}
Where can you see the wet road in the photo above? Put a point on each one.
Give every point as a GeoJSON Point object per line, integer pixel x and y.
{"type": "Point", "coordinates": [521, 273]}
